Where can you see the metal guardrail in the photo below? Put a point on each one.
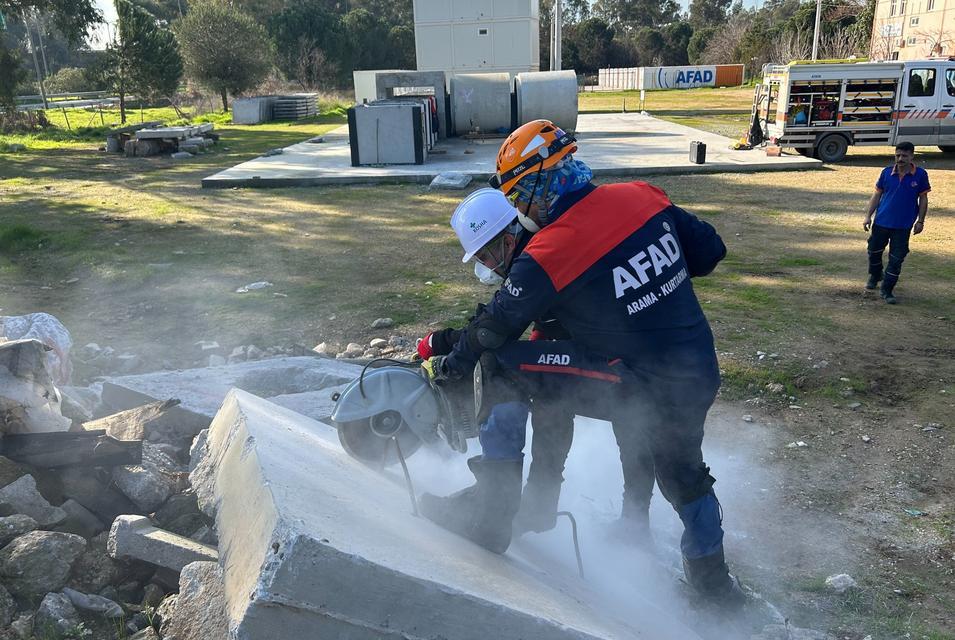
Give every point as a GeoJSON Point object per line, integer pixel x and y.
{"type": "Point", "coordinates": [72, 94]}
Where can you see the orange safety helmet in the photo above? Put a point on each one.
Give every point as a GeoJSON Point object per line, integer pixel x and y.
{"type": "Point", "coordinates": [535, 146]}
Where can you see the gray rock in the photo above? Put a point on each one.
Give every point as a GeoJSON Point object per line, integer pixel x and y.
{"type": "Point", "coordinates": [86, 489]}
{"type": "Point", "coordinates": [8, 607]}
{"type": "Point", "coordinates": [151, 483]}
{"type": "Point", "coordinates": [23, 626]}
{"type": "Point", "coordinates": [378, 343]}
{"type": "Point", "coordinates": [382, 323]}
{"type": "Point", "coordinates": [94, 603]}
{"type": "Point", "coordinates": [95, 570]}
{"type": "Point", "coordinates": [39, 562]}
{"type": "Point", "coordinates": [166, 612]}
{"type": "Point", "coordinates": [217, 361]}
{"type": "Point", "coordinates": [23, 496]}
{"type": "Point", "coordinates": [177, 506]}
{"type": "Point", "coordinates": [840, 583]}
{"type": "Point", "coordinates": [144, 485]}
{"type": "Point", "coordinates": [15, 526]}
{"type": "Point", "coordinates": [198, 449]}
{"type": "Point", "coordinates": [399, 342]}
{"type": "Point", "coordinates": [372, 353]}
{"type": "Point", "coordinates": [146, 634]}
{"type": "Point", "coordinates": [56, 615]}
{"type": "Point", "coordinates": [206, 535]}
{"type": "Point", "coordinates": [200, 607]}
{"type": "Point", "coordinates": [78, 403]}
{"type": "Point", "coordinates": [11, 471]}
{"type": "Point", "coordinates": [153, 594]}
{"type": "Point", "coordinates": [252, 352]}
{"type": "Point", "coordinates": [79, 520]}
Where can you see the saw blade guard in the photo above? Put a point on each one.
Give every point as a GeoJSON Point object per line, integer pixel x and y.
{"type": "Point", "coordinates": [383, 392]}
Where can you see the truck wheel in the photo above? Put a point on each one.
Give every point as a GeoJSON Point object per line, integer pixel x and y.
{"type": "Point", "coordinates": [832, 148]}
{"type": "Point", "coordinates": [947, 148]}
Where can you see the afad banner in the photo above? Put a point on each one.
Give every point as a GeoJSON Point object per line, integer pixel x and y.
{"type": "Point", "coordinates": [690, 77]}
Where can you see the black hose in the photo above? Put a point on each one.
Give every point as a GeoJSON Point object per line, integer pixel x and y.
{"type": "Point", "coordinates": [404, 467]}
{"type": "Point", "coordinates": [573, 525]}
{"type": "Point", "coordinates": [361, 376]}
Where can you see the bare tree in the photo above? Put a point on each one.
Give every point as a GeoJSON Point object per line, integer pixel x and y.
{"type": "Point", "coordinates": [839, 45]}
{"type": "Point", "coordinates": [937, 39]}
{"type": "Point", "coordinates": [722, 47]}
{"type": "Point", "coordinates": [796, 45]}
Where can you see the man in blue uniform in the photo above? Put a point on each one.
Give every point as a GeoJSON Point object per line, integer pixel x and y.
{"type": "Point", "coordinates": [899, 203]}
{"type": "Point", "coordinates": [613, 265]}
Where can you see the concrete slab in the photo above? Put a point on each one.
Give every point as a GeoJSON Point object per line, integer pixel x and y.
{"type": "Point", "coordinates": [622, 144]}
{"type": "Point", "coordinates": [318, 545]}
{"type": "Point", "coordinates": [134, 536]}
{"type": "Point", "coordinates": [202, 391]}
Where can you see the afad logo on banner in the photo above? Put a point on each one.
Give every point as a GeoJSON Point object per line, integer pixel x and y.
{"type": "Point", "coordinates": [684, 77]}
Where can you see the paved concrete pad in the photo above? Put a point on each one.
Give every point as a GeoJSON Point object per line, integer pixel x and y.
{"type": "Point", "coordinates": [135, 537]}
{"type": "Point", "coordinates": [623, 144]}
{"type": "Point", "coordinates": [318, 545]}
{"type": "Point", "coordinates": [201, 391]}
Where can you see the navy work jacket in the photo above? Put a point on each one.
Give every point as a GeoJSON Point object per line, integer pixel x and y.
{"type": "Point", "coordinates": [614, 268]}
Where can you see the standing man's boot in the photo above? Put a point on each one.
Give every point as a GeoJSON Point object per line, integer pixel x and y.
{"type": "Point", "coordinates": [887, 286]}
{"type": "Point", "coordinates": [632, 528]}
{"type": "Point", "coordinates": [538, 510]}
{"type": "Point", "coordinates": [483, 512]}
{"type": "Point", "coordinates": [873, 281]}
{"type": "Point", "coordinates": [710, 578]}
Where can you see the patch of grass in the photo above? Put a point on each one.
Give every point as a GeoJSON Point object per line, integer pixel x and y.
{"type": "Point", "coordinates": [19, 237]}
{"type": "Point", "coordinates": [799, 262]}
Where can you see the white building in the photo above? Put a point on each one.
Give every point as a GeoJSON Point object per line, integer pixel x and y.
{"type": "Point", "coordinates": [477, 36]}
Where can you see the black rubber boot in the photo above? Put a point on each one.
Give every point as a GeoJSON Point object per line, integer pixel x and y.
{"type": "Point", "coordinates": [887, 286]}
{"type": "Point", "coordinates": [873, 282]}
{"type": "Point", "coordinates": [538, 510]}
{"type": "Point", "coordinates": [632, 528]}
{"type": "Point", "coordinates": [483, 512]}
{"type": "Point", "coordinates": [710, 578]}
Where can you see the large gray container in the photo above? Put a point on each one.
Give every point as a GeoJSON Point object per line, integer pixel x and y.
{"type": "Point", "coordinates": [389, 133]}
{"type": "Point", "coordinates": [481, 101]}
{"type": "Point", "coordinates": [551, 95]}
{"type": "Point", "coordinates": [252, 110]}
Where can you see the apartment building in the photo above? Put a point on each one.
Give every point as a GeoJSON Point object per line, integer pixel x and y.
{"type": "Point", "coordinates": [913, 29]}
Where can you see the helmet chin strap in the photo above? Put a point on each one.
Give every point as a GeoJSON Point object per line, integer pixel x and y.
{"type": "Point", "coordinates": [523, 218]}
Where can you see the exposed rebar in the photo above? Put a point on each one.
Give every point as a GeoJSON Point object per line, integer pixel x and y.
{"type": "Point", "coordinates": [573, 526]}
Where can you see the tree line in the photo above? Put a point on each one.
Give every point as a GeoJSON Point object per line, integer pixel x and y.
{"type": "Point", "coordinates": [229, 47]}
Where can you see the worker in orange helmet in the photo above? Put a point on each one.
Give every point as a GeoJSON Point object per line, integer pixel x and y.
{"type": "Point", "coordinates": [613, 264]}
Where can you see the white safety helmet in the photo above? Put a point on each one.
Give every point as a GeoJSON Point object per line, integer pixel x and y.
{"type": "Point", "coordinates": [480, 217]}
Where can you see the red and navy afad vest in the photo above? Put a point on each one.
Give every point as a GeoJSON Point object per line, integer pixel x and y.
{"type": "Point", "coordinates": [614, 269]}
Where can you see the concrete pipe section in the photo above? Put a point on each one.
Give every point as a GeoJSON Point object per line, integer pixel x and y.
{"type": "Point", "coordinates": [547, 94]}
{"type": "Point", "coordinates": [481, 102]}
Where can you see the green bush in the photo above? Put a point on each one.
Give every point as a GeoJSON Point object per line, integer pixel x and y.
{"type": "Point", "coordinates": [67, 80]}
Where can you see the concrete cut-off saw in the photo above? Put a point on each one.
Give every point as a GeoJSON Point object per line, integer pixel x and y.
{"type": "Point", "coordinates": [398, 403]}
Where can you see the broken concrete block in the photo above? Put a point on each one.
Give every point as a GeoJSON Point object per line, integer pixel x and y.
{"type": "Point", "coordinates": [176, 425]}
{"type": "Point", "coordinates": [78, 403]}
{"type": "Point", "coordinates": [202, 391]}
{"type": "Point", "coordinates": [79, 520]}
{"type": "Point", "coordinates": [325, 527]}
{"type": "Point", "coordinates": [23, 496]}
{"type": "Point", "coordinates": [39, 562]}
{"type": "Point", "coordinates": [56, 616]}
{"type": "Point", "coordinates": [200, 606]}
{"type": "Point", "coordinates": [29, 402]}
{"type": "Point", "coordinates": [135, 537]}
{"type": "Point", "coordinates": [133, 424]}
{"type": "Point", "coordinates": [15, 526]}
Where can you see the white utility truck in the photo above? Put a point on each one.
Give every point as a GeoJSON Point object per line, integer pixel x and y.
{"type": "Point", "coordinates": [821, 108]}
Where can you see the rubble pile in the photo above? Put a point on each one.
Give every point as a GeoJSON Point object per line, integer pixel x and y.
{"type": "Point", "coordinates": [97, 516]}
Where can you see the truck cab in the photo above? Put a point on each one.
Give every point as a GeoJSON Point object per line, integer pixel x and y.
{"type": "Point", "coordinates": [926, 107]}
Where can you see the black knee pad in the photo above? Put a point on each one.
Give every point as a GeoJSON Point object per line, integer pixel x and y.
{"type": "Point", "coordinates": [492, 386]}
{"type": "Point", "coordinates": [682, 487]}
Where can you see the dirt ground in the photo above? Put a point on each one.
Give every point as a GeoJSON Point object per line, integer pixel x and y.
{"type": "Point", "coordinates": [133, 254]}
